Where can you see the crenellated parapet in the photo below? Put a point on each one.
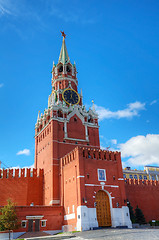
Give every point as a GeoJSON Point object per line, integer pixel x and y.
{"type": "Point", "coordinates": [99, 154]}
{"type": "Point", "coordinates": [139, 182]}
{"type": "Point", "coordinates": [89, 153]}
{"type": "Point", "coordinates": [71, 156]}
{"type": "Point", "coordinates": [21, 173]}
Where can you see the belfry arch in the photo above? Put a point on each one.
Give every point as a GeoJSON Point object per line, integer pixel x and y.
{"type": "Point", "coordinates": [103, 209]}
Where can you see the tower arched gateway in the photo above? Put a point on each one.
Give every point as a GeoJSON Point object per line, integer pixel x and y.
{"type": "Point", "coordinates": [103, 209]}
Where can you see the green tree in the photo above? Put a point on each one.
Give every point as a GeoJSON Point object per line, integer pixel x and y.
{"type": "Point", "coordinates": [8, 217]}
{"type": "Point", "coordinates": [131, 211]}
{"type": "Point", "coordinates": [139, 216]}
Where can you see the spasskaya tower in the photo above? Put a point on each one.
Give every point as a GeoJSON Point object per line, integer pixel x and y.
{"type": "Point", "coordinates": [64, 125]}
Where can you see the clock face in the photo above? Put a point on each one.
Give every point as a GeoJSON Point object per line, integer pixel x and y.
{"type": "Point", "coordinates": [70, 96]}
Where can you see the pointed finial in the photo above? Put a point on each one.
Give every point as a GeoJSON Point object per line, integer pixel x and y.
{"type": "Point", "coordinates": [53, 67]}
{"type": "Point", "coordinates": [38, 115]}
{"type": "Point", "coordinates": [93, 106]}
{"type": "Point", "coordinates": [63, 34]}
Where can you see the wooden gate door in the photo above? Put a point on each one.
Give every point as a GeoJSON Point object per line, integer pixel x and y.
{"type": "Point", "coordinates": [103, 209]}
{"type": "Point", "coordinates": [30, 225]}
{"type": "Point", "coordinates": [37, 225]}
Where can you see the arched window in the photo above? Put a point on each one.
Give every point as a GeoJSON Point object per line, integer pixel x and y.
{"type": "Point", "coordinates": [68, 69]}
{"type": "Point", "coordinates": [61, 69]}
{"type": "Point", "coordinates": [83, 153]}
{"type": "Point", "coordinates": [59, 113]}
{"type": "Point", "coordinates": [89, 156]}
{"type": "Point", "coordinates": [90, 119]}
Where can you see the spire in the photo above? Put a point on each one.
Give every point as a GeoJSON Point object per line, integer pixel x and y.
{"type": "Point", "coordinates": [64, 58]}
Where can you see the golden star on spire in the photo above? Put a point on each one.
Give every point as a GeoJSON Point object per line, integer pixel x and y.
{"type": "Point", "coordinates": [63, 34]}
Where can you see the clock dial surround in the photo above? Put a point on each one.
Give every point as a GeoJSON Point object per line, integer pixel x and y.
{"type": "Point", "coordinates": [70, 96]}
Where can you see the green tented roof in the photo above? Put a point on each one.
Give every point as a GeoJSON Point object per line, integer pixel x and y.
{"type": "Point", "coordinates": [64, 58]}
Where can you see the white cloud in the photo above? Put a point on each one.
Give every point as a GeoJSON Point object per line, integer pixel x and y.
{"type": "Point", "coordinates": [132, 110]}
{"type": "Point", "coordinates": [5, 7]}
{"type": "Point", "coordinates": [24, 152]}
{"type": "Point", "coordinates": [141, 150]}
{"type": "Point", "coordinates": [1, 85]}
{"type": "Point", "coordinates": [18, 167]}
{"type": "Point", "coordinates": [114, 141]}
{"type": "Point", "coordinates": [153, 102]}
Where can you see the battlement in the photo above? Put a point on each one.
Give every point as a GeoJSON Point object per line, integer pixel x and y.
{"type": "Point", "coordinates": [20, 173]}
{"type": "Point", "coordinates": [99, 154]}
{"type": "Point", "coordinates": [129, 181]}
{"type": "Point", "coordinates": [69, 157]}
{"type": "Point", "coordinates": [89, 153]}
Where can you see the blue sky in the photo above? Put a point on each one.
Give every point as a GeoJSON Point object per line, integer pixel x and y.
{"type": "Point", "coordinates": [115, 45]}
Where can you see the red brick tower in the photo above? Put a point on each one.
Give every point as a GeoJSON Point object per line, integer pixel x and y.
{"type": "Point", "coordinates": [64, 125]}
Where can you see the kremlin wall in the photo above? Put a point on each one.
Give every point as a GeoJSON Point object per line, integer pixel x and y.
{"type": "Point", "coordinates": [145, 195]}
{"type": "Point", "coordinates": [75, 185]}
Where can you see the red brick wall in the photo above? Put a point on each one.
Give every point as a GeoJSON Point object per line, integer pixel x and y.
{"type": "Point", "coordinates": [70, 185]}
{"type": "Point", "coordinates": [21, 190]}
{"type": "Point", "coordinates": [76, 129]}
{"type": "Point", "coordinates": [145, 194]}
{"type": "Point", "coordinates": [43, 159]}
{"type": "Point", "coordinates": [53, 215]}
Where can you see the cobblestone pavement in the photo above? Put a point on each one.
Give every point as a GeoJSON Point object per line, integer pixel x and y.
{"type": "Point", "coordinates": [108, 234]}
{"type": "Point", "coordinates": [119, 234]}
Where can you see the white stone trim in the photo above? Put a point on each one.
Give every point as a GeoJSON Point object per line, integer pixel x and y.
{"type": "Point", "coordinates": [69, 216]}
{"type": "Point", "coordinates": [76, 139]}
{"type": "Point", "coordinates": [44, 220]}
{"type": "Point", "coordinates": [23, 221]}
{"type": "Point", "coordinates": [65, 78]}
{"type": "Point", "coordinates": [35, 217]}
{"type": "Point", "coordinates": [96, 185]}
{"type": "Point", "coordinates": [121, 217]}
{"type": "Point", "coordinates": [90, 146]}
{"type": "Point", "coordinates": [54, 202]}
{"type": "Point", "coordinates": [99, 175]}
{"type": "Point", "coordinates": [80, 176]}
{"type": "Point", "coordinates": [86, 132]}
{"type": "Point", "coordinates": [86, 218]}
{"type": "Point", "coordinates": [75, 111]}
{"type": "Point", "coordinates": [73, 208]}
